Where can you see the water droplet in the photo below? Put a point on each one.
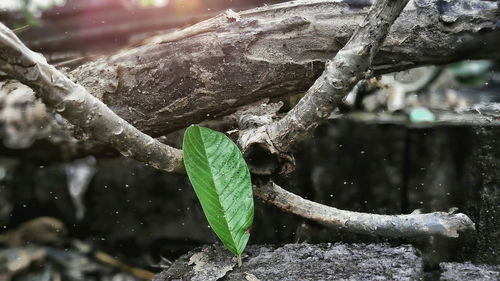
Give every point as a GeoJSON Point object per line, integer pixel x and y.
{"type": "Point", "coordinates": [118, 130]}
{"type": "Point", "coordinates": [126, 153]}
{"type": "Point", "coordinates": [60, 107]}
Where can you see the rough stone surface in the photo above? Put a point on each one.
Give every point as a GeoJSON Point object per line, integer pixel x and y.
{"type": "Point", "coordinates": [466, 271]}
{"type": "Point", "coordinates": [300, 262]}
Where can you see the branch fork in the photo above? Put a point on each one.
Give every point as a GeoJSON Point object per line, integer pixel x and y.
{"type": "Point", "coordinates": [85, 111]}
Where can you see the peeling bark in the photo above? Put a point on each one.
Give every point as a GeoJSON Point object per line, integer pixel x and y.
{"type": "Point", "coordinates": [213, 67]}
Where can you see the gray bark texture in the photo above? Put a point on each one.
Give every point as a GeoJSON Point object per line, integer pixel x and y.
{"type": "Point", "coordinates": [75, 103]}
{"type": "Point", "coordinates": [299, 262]}
{"type": "Point", "coordinates": [341, 74]}
{"type": "Point", "coordinates": [211, 68]}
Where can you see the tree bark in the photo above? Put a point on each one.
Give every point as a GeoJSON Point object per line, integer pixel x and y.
{"type": "Point", "coordinates": [213, 67]}
{"type": "Point", "coordinates": [83, 110]}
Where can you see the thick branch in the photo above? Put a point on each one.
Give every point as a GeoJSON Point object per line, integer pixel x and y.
{"type": "Point", "coordinates": [437, 223]}
{"type": "Point", "coordinates": [80, 108]}
{"type": "Point", "coordinates": [213, 67]}
{"type": "Point", "coordinates": [73, 102]}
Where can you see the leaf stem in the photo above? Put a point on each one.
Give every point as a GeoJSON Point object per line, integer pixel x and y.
{"type": "Point", "coordinates": [238, 258]}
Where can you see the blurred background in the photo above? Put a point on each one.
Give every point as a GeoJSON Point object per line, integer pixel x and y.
{"type": "Point", "coordinates": [424, 139]}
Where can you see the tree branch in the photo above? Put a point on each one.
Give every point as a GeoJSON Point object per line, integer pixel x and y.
{"type": "Point", "coordinates": [341, 74]}
{"type": "Point", "coordinates": [80, 108]}
{"type": "Point", "coordinates": [76, 104]}
{"type": "Point", "coordinates": [436, 223]}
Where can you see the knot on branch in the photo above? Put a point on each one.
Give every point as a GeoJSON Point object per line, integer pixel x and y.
{"type": "Point", "coordinates": [262, 156]}
{"type": "Point", "coordinates": [258, 150]}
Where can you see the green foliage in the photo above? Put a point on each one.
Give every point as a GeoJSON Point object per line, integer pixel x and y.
{"type": "Point", "coordinates": [221, 180]}
{"type": "Point", "coordinates": [472, 73]}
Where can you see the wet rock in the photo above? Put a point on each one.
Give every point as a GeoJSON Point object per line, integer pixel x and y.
{"type": "Point", "coordinates": [300, 262]}
{"type": "Point", "coordinates": [467, 271]}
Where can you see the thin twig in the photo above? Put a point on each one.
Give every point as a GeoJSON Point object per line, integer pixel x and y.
{"type": "Point", "coordinates": [80, 108]}
{"type": "Point", "coordinates": [437, 223]}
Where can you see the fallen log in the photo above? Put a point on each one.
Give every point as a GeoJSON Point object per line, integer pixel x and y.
{"type": "Point", "coordinates": [211, 68]}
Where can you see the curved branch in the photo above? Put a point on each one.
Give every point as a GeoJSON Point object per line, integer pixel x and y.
{"type": "Point", "coordinates": [436, 223]}
{"type": "Point", "coordinates": [80, 108]}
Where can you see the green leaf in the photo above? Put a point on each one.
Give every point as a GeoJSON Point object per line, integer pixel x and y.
{"type": "Point", "coordinates": [472, 73]}
{"type": "Point", "coordinates": [221, 180]}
